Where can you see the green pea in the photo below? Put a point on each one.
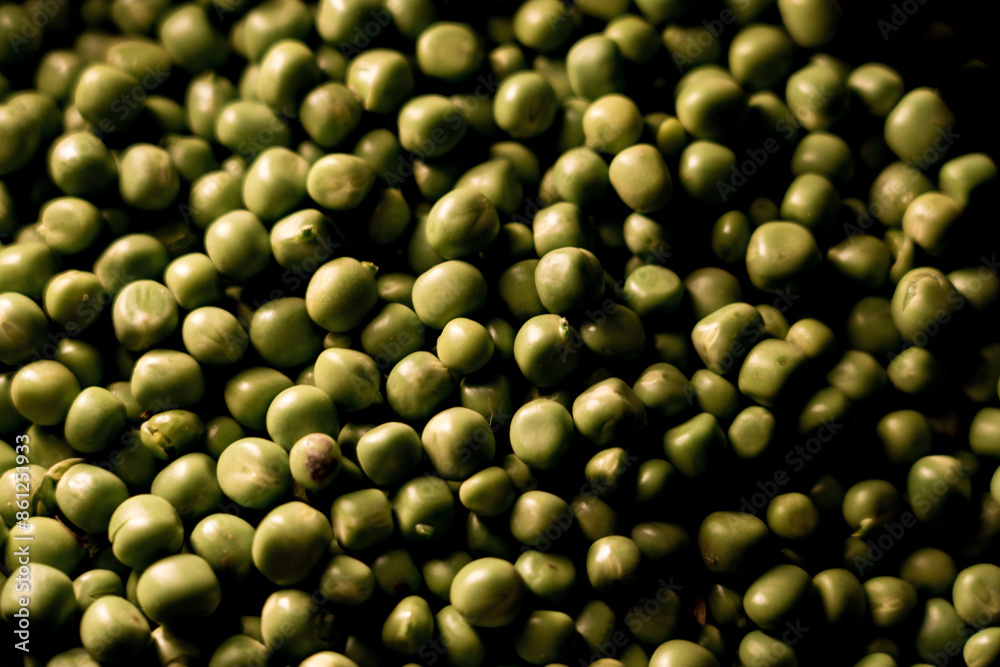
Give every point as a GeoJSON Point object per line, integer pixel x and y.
{"type": "Point", "coordinates": [25, 328]}
{"type": "Point", "coordinates": [792, 516]}
{"type": "Point", "coordinates": [462, 645]}
{"type": "Point", "coordinates": [254, 472]}
{"type": "Point", "coordinates": [580, 176]}
{"type": "Point", "coordinates": [608, 410]}
{"type": "Point", "coordinates": [641, 178]}
{"type": "Point", "coordinates": [224, 542]}
{"type": "Point", "coordinates": [341, 293]}
{"type": "Point", "coordinates": [525, 105]}
{"type": "Point", "coordinates": [636, 38]}
{"type": "Point", "coordinates": [131, 635]}
{"type": "Point", "coordinates": [548, 576]}
{"type": "Point", "coordinates": [431, 125]}
{"type": "Point", "coordinates": [44, 391]}
{"type": "Point", "coordinates": [594, 66]}
{"type": "Point", "coordinates": [678, 652]}
{"type": "Point", "coordinates": [760, 56]}
{"type": "Point", "coordinates": [347, 581]}
{"type": "Point", "coordinates": [191, 486]}
{"type": "Point", "coordinates": [858, 375]}
{"type": "Point", "coordinates": [771, 367]}
{"type": "Point", "coordinates": [924, 297]}
{"type": "Point", "coordinates": [35, 477]}
{"type": "Point", "coordinates": [238, 245]}
{"type": "Point", "coordinates": [937, 486]}
{"type": "Point", "coordinates": [80, 165]}
{"type": "Point", "coordinates": [294, 626]}
{"type": "Point", "coordinates": [842, 597]}
{"type": "Point", "coordinates": [144, 314]}
{"type": "Point", "coordinates": [693, 445]}
{"type": "Point", "coordinates": [976, 594]}
{"type": "Point", "coordinates": [612, 562]}
{"type": "Point", "coordinates": [487, 592]}
{"type": "Point", "coordinates": [915, 371]}
{"type": "Point", "coordinates": [811, 23]}
{"type": "Point", "coordinates": [983, 648]}
{"type": "Point", "coordinates": [929, 570]}
{"type": "Point", "coordinates": [545, 637]}
{"type": "Point", "coordinates": [440, 572]}
{"type": "Point", "coordinates": [782, 256]}
{"type": "Point", "coordinates": [409, 626]}
{"type": "Point", "coordinates": [213, 336]}
{"type": "Point", "coordinates": [25, 268]}
{"type": "Point", "coordinates": [144, 529]}
{"type": "Point", "coordinates": [194, 281]}
{"type": "Point", "coordinates": [730, 541]}
{"type": "Point", "coordinates": [361, 519]}
{"type": "Point", "coordinates": [542, 25]}
{"type": "Point", "coordinates": [965, 178]}
{"type": "Point", "coordinates": [916, 126]}
{"type": "Point", "coordinates": [712, 108]}
{"type": "Point", "coordinates": [88, 495]}
{"type": "Point", "coordinates": [94, 584]}
{"type": "Point", "coordinates": [890, 600]}
{"type": "Point", "coordinates": [289, 541]}
{"type": "Point", "coordinates": [878, 86]}
{"type": "Point", "coordinates": [704, 165]}
{"type": "Point", "coordinates": [55, 545]}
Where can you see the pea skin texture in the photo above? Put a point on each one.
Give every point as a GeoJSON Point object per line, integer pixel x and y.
{"type": "Point", "coordinates": [350, 333]}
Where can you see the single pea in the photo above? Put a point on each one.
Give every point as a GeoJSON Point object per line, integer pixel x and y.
{"type": "Point", "coordinates": [924, 297]}
{"type": "Point", "coordinates": [863, 259]}
{"type": "Point", "coordinates": [144, 314]}
{"type": "Point", "coordinates": [417, 385]}
{"type": "Point", "coordinates": [347, 581]}
{"type": "Point", "coordinates": [194, 281]}
{"type": "Point", "coordinates": [607, 411]}
{"type": "Point", "coordinates": [559, 226]}
{"type": "Point", "coordinates": [254, 472]}
{"type": "Point", "coordinates": [841, 595]}
{"type": "Point", "coordinates": [811, 23]}
{"type": "Point", "coordinates": [782, 256]}
{"type": "Point", "coordinates": [289, 542]}
{"type": "Point", "coordinates": [94, 584]}
{"type": "Point", "coordinates": [56, 546]}
{"type": "Point", "coordinates": [676, 652]}
{"type": "Point", "coordinates": [730, 541]}
{"type": "Point", "coordinates": [914, 127]}
{"type": "Point", "coordinates": [612, 562]}
{"type": "Point", "coordinates": [937, 486]}
{"type": "Point", "coordinates": [224, 542]}
{"type": "Point", "coordinates": [965, 178]}
{"type": "Point", "coordinates": [191, 486]}
{"type": "Point", "coordinates": [931, 571]}
{"type": "Point", "coordinates": [94, 419]}
{"type": "Point", "coordinates": [329, 113]}
{"type": "Point", "coordinates": [979, 287]}
{"type": "Point", "coordinates": [594, 66]}
{"type": "Point", "coordinates": [693, 445]}
{"type": "Point", "coordinates": [636, 38]}
{"type": "Point", "coordinates": [525, 105]}
{"type": "Point", "coordinates": [976, 594]}
{"type": "Point", "coordinates": [144, 529]}
{"type": "Point", "coordinates": [214, 336]}
{"type": "Point", "coordinates": [983, 648]}
{"type": "Point", "coordinates": [930, 221]}
{"type": "Point", "coordinates": [858, 374]}
{"type": "Point", "coordinates": [25, 330]}
{"type": "Point", "coordinates": [641, 178]}
{"type": "Point", "coordinates": [458, 442]}
{"type": "Point", "coordinates": [704, 167]}
{"type": "Point", "coordinates": [711, 109]}
{"type": "Point", "coordinates": [26, 267]}
{"type": "Point", "coordinates": [580, 176]}
{"type": "Point", "coordinates": [350, 378]}
{"type": "Point", "coordinates": [792, 516]}
{"type": "Point", "coordinates": [361, 519]}
{"type": "Point", "coordinates": [187, 34]}
{"type": "Point", "coordinates": [294, 627]}
{"type": "Point", "coordinates": [760, 56]}
{"type": "Point", "coordinates": [870, 326]}
{"type": "Point", "coordinates": [212, 195]}
{"type": "Point", "coordinates": [542, 25]}
{"type": "Point", "coordinates": [238, 245]}
{"type": "Point", "coordinates": [487, 592]}
{"type": "Point", "coordinates": [915, 371]}
{"type": "Point", "coordinates": [548, 576]}
{"type": "Point", "coordinates": [44, 391]}
{"type": "Point", "coordinates": [98, 90]}
{"type": "Point", "coordinates": [424, 508]}
{"type": "Point", "coordinates": [81, 165]}
{"type": "Point", "coordinates": [424, 119]}
{"type": "Point", "coordinates": [341, 293]}
{"type": "Point", "coordinates": [890, 599]}
{"type": "Point", "coordinates": [545, 637]}
{"type": "Point", "coordinates": [878, 86]}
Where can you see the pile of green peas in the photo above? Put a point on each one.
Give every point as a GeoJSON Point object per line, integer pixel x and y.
{"type": "Point", "coordinates": [398, 332]}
